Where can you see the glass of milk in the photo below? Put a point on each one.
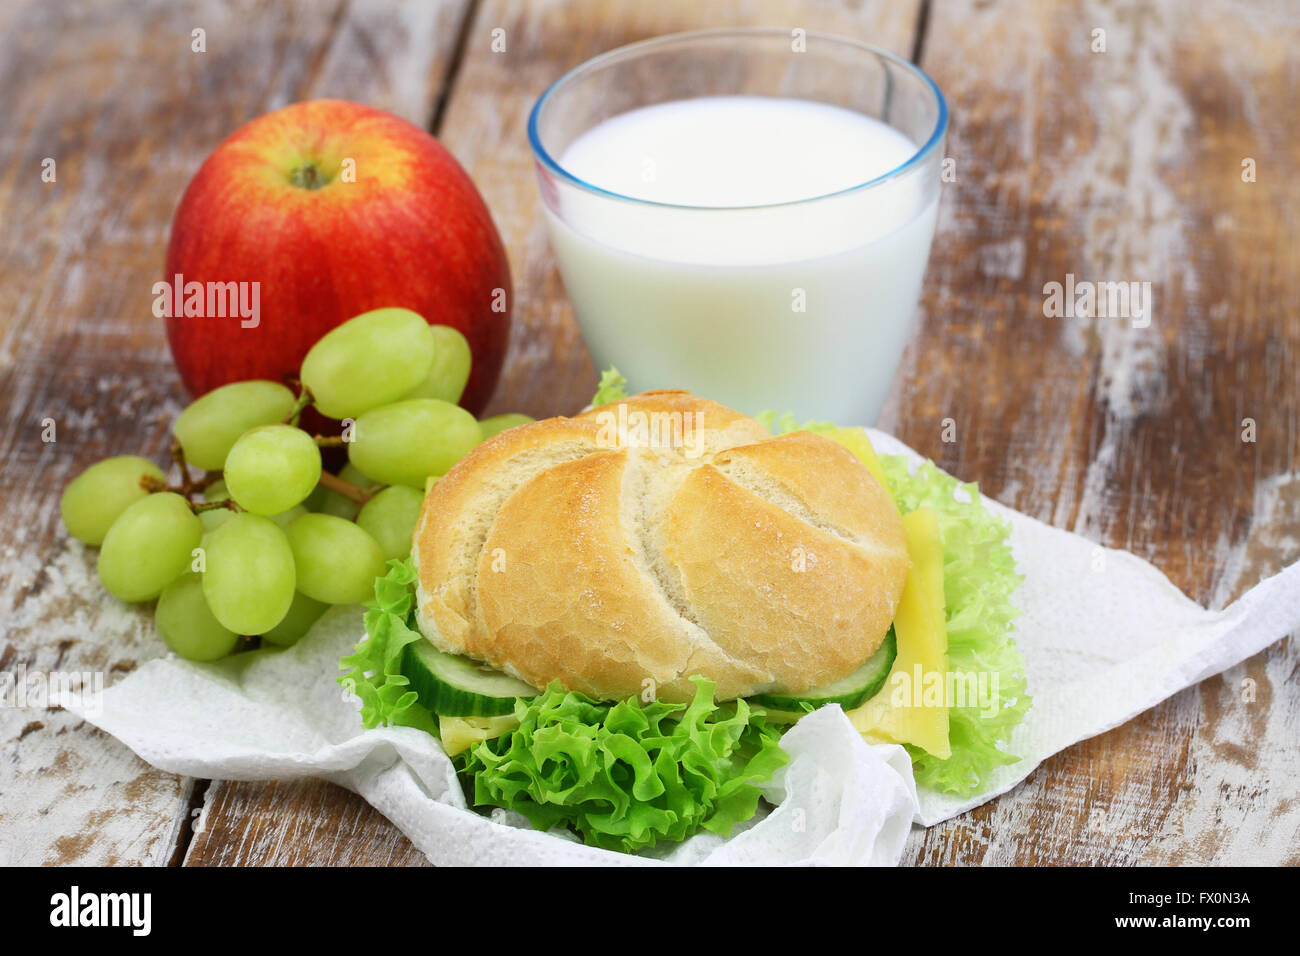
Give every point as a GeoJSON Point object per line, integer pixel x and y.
{"type": "Point", "coordinates": [745, 213]}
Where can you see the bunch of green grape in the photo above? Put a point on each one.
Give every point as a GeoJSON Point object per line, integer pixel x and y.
{"type": "Point", "coordinates": [264, 541]}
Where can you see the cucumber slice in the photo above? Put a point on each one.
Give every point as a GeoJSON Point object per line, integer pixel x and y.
{"type": "Point", "coordinates": [849, 692]}
{"type": "Point", "coordinates": [453, 686]}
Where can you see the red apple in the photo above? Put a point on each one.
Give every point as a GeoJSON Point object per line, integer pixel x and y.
{"type": "Point", "coordinates": [332, 209]}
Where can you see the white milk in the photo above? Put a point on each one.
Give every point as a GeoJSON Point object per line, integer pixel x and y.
{"type": "Point", "coordinates": [799, 306]}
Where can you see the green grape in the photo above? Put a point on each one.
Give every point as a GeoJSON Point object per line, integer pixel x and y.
{"type": "Point", "coordinates": [249, 578]}
{"type": "Point", "coordinates": [495, 425]}
{"type": "Point", "coordinates": [368, 361]}
{"type": "Point", "coordinates": [303, 613]}
{"type": "Point", "coordinates": [272, 468]}
{"type": "Point", "coordinates": [317, 498]}
{"type": "Point", "coordinates": [330, 502]}
{"type": "Point", "coordinates": [149, 546]}
{"type": "Point", "coordinates": [98, 496]}
{"type": "Point", "coordinates": [350, 472]}
{"type": "Point", "coordinates": [406, 442]}
{"type": "Point", "coordinates": [212, 423]}
{"type": "Point", "coordinates": [450, 370]}
{"type": "Point", "coordinates": [187, 625]}
{"type": "Point", "coordinates": [286, 518]}
{"type": "Point", "coordinates": [389, 517]}
{"type": "Point", "coordinates": [336, 561]}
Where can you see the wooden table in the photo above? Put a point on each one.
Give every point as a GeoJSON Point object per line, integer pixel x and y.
{"type": "Point", "coordinates": [1122, 163]}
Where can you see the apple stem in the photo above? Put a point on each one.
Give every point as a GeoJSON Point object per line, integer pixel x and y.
{"type": "Point", "coordinates": [308, 176]}
{"type": "Point", "coordinates": [349, 490]}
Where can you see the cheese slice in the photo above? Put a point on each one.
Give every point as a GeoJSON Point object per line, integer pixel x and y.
{"type": "Point", "coordinates": [899, 713]}
{"type": "Point", "coordinates": [856, 441]}
{"type": "Point", "coordinates": [461, 733]}
{"type": "Point", "coordinates": [912, 706]}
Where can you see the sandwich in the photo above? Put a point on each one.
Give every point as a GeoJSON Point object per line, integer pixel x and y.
{"type": "Point", "coordinates": [610, 620]}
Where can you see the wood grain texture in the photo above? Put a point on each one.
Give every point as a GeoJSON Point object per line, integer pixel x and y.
{"type": "Point", "coordinates": [69, 793]}
{"type": "Point", "coordinates": [1123, 165]}
{"type": "Point", "coordinates": [115, 95]}
{"type": "Point", "coordinates": [296, 823]}
{"type": "Point", "coordinates": [1127, 165]}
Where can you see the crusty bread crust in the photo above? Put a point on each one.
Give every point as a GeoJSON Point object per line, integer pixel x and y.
{"type": "Point", "coordinates": [576, 550]}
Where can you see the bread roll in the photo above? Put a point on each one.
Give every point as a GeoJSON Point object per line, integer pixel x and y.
{"type": "Point", "coordinates": [643, 542]}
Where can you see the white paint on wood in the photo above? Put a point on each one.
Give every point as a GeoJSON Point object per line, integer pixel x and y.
{"type": "Point", "coordinates": [69, 793]}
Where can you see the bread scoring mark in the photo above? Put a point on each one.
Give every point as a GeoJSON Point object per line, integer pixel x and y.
{"type": "Point", "coordinates": [494, 491]}
{"type": "Point", "coordinates": [650, 483]}
{"type": "Point", "coordinates": [524, 467]}
{"type": "Point", "coordinates": [641, 470]}
{"type": "Point", "coordinates": [803, 633]}
{"type": "Point", "coordinates": [778, 495]}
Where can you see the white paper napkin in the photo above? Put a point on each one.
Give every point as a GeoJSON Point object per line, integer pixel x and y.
{"type": "Point", "coordinates": [1105, 636]}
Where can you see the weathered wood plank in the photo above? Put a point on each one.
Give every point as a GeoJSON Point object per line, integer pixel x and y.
{"type": "Point", "coordinates": [299, 823]}
{"type": "Point", "coordinates": [116, 96]}
{"type": "Point", "coordinates": [1114, 166]}
{"type": "Point", "coordinates": [1122, 165]}
{"type": "Point", "coordinates": [68, 793]}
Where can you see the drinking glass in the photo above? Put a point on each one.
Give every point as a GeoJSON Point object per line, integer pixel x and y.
{"type": "Point", "coordinates": [801, 306]}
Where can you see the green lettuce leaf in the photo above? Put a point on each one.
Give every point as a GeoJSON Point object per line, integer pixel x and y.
{"type": "Point", "coordinates": [780, 424]}
{"type": "Point", "coordinates": [628, 776]}
{"type": "Point", "coordinates": [624, 776]}
{"type": "Point", "coordinates": [375, 665]}
{"type": "Point", "coordinates": [612, 388]}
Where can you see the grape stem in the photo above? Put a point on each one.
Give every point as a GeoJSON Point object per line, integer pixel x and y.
{"type": "Point", "coordinates": [304, 399]}
{"type": "Point", "coordinates": [229, 503]}
{"type": "Point", "coordinates": [188, 487]}
{"type": "Point", "coordinates": [349, 490]}
{"type": "Point", "coordinates": [329, 441]}
{"type": "Point", "coordinates": [178, 457]}
{"type": "Point", "coordinates": [209, 478]}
